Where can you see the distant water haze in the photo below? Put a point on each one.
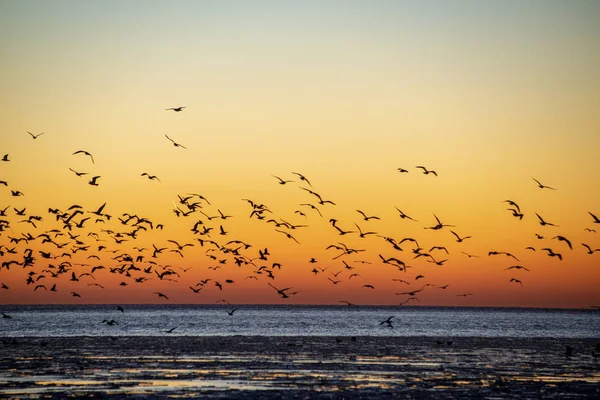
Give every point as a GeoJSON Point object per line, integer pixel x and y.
{"type": "Point", "coordinates": [260, 320]}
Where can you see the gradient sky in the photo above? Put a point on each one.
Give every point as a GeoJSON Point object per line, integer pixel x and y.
{"type": "Point", "coordinates": [488, 94]}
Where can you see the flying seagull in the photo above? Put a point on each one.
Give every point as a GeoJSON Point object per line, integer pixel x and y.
{"type": "Point", "coordinates": [35, 136]}
{"type": "Point", "coordinates": [175, 143]}
{"type": "Point", "coordinates": [86, 153]}
{"type": "Point", "coordinates": [542, 186]}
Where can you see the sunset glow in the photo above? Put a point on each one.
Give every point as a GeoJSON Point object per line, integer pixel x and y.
{"type": "Point", "coordinates": [490, 95]}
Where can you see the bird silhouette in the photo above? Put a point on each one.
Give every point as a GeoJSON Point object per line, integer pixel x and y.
{"type": "Point", "coordinates": [458, 238]}
{"type": "Point", "coordinates": [439, 224]}
{"type": "Point", "coordinates": [542, 186]}
{"type": "Point", "coordinates": [175, 143]}
{"type": "Point", "coordinates": [426, 171]}
{"type": "Point", "coordinates": [302, 178]}
{"type": "Point", "coordinates": [404, 216]}
{"type": "Point", "coordinates": [564, 239]}
{"type": "Point", "coordinates": [387, 322]}
{"type": "Point", "coordinates": [281, 181]}
{"type": "Point", "coordinates": [176, 109]}
{"type": "Point", "coordinates": [151, 177]}
{"type": "Point", "coordinates": [94, 181]}
{"type": "Point", "coordinates": [78, 173]}
{"type": "Point", "coordinates": [35, 136]}
{"type": "Point", "coordinates": [517, 267]}
{"type": "Point", "coordinates": [365, 217]}
{"type": "Point", "coordinates": [553, 254]}
{"type": "Point", "coordinates": [544, 223]}
{"type": "Point", "coordinates": [516, 281]}
{"type": "Point", "coordinates": [589, 249]}
{"type": "Point", "coordinates": [86, 153]}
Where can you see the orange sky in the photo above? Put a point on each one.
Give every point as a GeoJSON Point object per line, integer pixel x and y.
{"type": "Point", "coordinates": [488, 95]}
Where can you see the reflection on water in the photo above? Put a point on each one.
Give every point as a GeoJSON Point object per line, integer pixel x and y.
{"type": "Point", "coordinates": [178, 377]}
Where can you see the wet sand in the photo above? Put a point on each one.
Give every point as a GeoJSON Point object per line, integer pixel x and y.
{"type": "Point", "coordinates": [297, 367]}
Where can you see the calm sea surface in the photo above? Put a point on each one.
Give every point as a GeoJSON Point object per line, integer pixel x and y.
{"type": "Point", "coordinates": [260, 320]}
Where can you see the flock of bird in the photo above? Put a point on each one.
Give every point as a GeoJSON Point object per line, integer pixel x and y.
{"type": "Point", "coordinates": [107, 243]}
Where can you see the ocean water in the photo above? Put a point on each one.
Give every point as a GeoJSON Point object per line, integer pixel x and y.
{"type": "Point", "coordinates": [284, 320]}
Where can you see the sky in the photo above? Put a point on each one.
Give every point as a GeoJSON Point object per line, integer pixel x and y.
{"type": "Point", "coordinates": [488, 94]}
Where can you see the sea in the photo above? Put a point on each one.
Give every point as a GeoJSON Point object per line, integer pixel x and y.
{"type": "Point", "coordinates": [295, 320]}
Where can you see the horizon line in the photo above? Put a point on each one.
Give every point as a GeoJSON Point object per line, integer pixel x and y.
{"type": "Point", "coordinates": [590, 308]}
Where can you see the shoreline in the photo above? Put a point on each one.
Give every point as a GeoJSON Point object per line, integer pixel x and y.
{"type": "Point", "coordinates": [298, 367]}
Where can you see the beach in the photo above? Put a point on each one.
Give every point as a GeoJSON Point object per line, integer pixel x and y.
{"type": "Point", "coordinates": [299, 367]}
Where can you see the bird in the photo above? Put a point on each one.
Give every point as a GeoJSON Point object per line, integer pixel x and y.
{"type": "Point", "coordinates": [365, 217]}
{"type": "Point", "coordinates": [175, 143]}
{"type": "Point", "coordinates": [544, 223]}
{"type": "Point", "coordinates": [516, 213]}
{"type": "Point", "coordinates": [439, 224]}
{"type": "Point", "coordinates": [302, 178]}
{"type": "Point", "coordinates": [35, 136]}
{"type": "Point", "coordinates": [171, 330]}
{"type": "Point", "coordinates": [426, 171]}
{"type": "Point", "coordinates": [590, 251]}
{"type": "Point", "coordinates": [232, 311]}
{"type": "Point", "coordinates": [176, 109]}
{"type": "Point", "coordinates": [288, 235]}
{"type": "Point", "coordinates": [439, 248]}
{"type": "Point", "coordinates": [542, 186]}
{"type": "Point", "coordinates": [94, 181]}
{"type": "Point", "coordinates": [512, 203]}
{"type": "Point", "coordinates": [151, 177]}
{"type": "Point", "coordinates": [281, 292]}
{"type": "Point", "coordinates": [458, 238]}
{"type": "Point", "coordinates": [363, 234]}
{"type": "Point", "coordinates": [161, 295]}
{"type": "Point", "coordinates": [569, 351]}
{"type": "Point", "coordinates": [564, 239]}
{"type": "Point", "coordinates": [78, 173]}
{"type": "Point", "coordinates": [553, 254]}
{"type": "Point", "coordinates": [5, 158]}
{"type": "Point", "coordinates": [517, 267]}
{"type": "Point", "coordinates": [402, 170]}
{"type": "Point", "coordinates": [86, 153]}
{"type": "Point", "coordinates": [281, 181]}
{"type": "Point", "coordinates": [403, 216]}
{"type": "Point", "coordinates": [596, 220]}
{"type": "Point", "coordinates": [387, 322]}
